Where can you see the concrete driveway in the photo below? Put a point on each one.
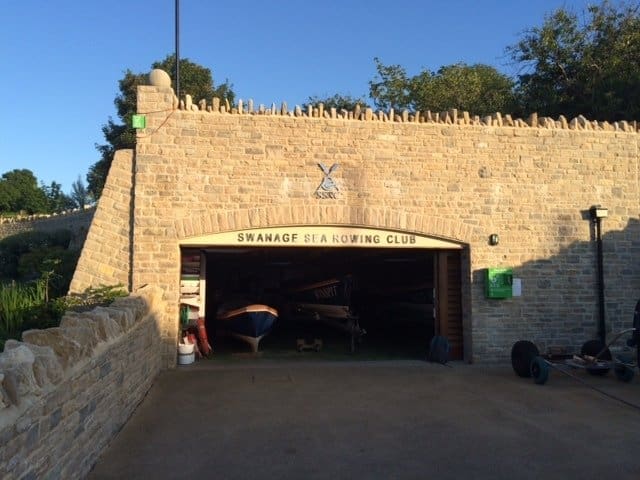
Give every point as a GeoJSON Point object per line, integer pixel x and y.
{"type": "Point", "coordinates": [380, 420]}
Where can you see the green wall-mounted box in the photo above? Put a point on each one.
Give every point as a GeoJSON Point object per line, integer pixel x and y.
{"type": "Point", "coordinates": [498, 282]}
{"type": "Point", "coordinates": [139, 121]}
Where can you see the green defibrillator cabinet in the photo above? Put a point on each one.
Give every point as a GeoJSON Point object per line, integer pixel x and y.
{"type": "Point", "coordinates": [498, 282]}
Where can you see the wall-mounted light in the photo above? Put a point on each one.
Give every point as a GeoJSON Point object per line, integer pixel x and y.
{"type": "Point", "coordinates": [494, 239]}
{"type": "Point", "coordinates": [598, 211]}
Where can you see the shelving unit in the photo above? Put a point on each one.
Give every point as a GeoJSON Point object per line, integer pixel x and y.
{"type": "Point", "coordinates": [192, 285]}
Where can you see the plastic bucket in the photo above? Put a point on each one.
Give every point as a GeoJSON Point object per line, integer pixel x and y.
{"type": "Point", "coordinates": [186, 358]}
{"type": "Point", "coordinates": [185, 348]}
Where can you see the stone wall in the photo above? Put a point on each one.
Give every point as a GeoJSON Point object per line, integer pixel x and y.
{"type": "Point", "coordinates": [450, 117]}
{"type": "Point", "coordinates": [207, 168]}
{"type": "Point", "coordinates": [65, 392]}
{"type": "Point", "coordinates": [105, 258]}
{"type": "Point", "coordinates": [77, 221]}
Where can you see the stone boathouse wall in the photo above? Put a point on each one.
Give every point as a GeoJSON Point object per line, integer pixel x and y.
{"type": "Point", "coordinates": [206, 168]}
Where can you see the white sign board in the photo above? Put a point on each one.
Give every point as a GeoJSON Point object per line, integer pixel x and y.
{"type": "Point", "coordinates": [320, 236]}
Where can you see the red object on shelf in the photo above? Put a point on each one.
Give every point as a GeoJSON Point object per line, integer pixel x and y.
{"type": "Point", "coordinates": [205, 346]}
{"type": "Point", "coordinates": [193, 338]}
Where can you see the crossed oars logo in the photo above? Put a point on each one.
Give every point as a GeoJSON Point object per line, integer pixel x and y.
{"type": "Point", "coordinates": [328, 185]}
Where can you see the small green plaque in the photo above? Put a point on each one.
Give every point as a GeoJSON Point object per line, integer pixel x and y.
{"type": "Point", "coordinates": [139, 121]}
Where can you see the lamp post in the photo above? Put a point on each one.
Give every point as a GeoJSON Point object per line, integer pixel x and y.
{"type": "Point", "coordinates": [597, 213]}
{"type": "Point", "coordinates": [178, 49]}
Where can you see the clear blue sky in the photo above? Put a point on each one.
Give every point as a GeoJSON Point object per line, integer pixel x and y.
{"type": "Point", "coordinates": [60, 60]}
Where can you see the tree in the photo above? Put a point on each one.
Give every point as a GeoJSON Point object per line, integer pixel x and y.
{"type": "Point", "coordinates": [589, 68]}
{"type": "Point", "coordinates": [27, 256]}
{"type": "Point", "coordinates": [57, 201]}
{"type": "Point", "coordinates": [392, 88]}
{"type": "Point", "coordinates": [19, 192]}
{"type": "Point", "coordinates": [479, 89]}
{"type": "Point", "coordinates": [195, 80]}
{"type": "Point", "coordinates": [118, 136]}
{"type": "Point", "coordinates": [337, 101]}
{"type": "Point", "coordinates": [79, 193]}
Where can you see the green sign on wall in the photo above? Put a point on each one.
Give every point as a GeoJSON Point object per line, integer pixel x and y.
{"type": "Point", "coordinates": [139, 121]}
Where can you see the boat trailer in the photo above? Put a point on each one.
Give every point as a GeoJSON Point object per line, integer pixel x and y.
{"type": "Point", "coordinates": [595, 357]}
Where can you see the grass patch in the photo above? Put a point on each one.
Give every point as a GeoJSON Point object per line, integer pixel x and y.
{"type": "Point", "coordinates": [25, 307]}
{"type": "Point", "coordinates": [19, 303]}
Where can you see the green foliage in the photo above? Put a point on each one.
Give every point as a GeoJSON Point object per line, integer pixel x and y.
{"type": "Point", "coordinates": [54, 264]}
{"type": "Point", "coordinates": [22, 255]}
{"type": "Point", "coordinates": [44, 265]}
{"type": "Point", "coordinates": [97, 174]}
{"type": "Point", "coordinates": [19, 192]}
{"type": "Point", "coordinates": [117, 136]}
{"type": "Point", "coordinates": [17, 304]}
{"type": "Point", "coordinates": [391, 90]}
{"type": "Point", "coordinates": [337, 101]}
{"type": "Point", "coordinates": [79, 194]}
{"type": "Point", "coordinates": [195, 80]}
{"type": "Point", "coordinates": [25, 306]}
{"type": "Point", "coordinates": [478, 89]}
{"type": "Point", "coordinates": [91, 297]}
{"type": "Point", "coordinates": [57, 201]}
{"type": "Point", "coordinates": [590, 67]}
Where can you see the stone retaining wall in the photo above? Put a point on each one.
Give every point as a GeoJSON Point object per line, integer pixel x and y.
{"type": "Point", "coordinates": [77, 221]}
{"type": "Point", "coordinates": [65, 392]}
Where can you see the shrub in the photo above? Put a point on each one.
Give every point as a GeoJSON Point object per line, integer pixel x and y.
{"type": "Point", "coordinates": [24, 306]}
{"type": "Point", "coordinates": [91, 297]}
{"type": "Point", "coordinates": [34, 244]}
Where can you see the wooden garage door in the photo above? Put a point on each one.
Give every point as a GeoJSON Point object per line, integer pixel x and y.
{"type": "Point", "coordinates": [449, 301]}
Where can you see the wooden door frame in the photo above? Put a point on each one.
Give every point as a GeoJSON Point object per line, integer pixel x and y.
{"type": "Point", "coordinates": [444, 309]}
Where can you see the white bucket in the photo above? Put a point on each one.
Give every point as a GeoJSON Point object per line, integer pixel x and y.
{"type": "Point", "coordinates": [185, 348]}
{"type": "Point", "coordinates": [186, 359]}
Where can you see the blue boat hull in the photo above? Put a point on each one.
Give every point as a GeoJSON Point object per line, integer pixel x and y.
{"type": "Point", "coordinates": [249, 323]}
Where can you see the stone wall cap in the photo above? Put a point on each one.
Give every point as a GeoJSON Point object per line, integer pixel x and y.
{"type": "Point", "coordinates": [159, 78]}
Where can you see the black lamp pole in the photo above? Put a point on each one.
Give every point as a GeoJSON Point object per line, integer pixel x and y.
{"type": "Point", "coordinates": [597, 214]}
{"type": "Point", "coordinates": [178, 49]}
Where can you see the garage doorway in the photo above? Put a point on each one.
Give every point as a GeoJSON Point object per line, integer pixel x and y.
{"type": "Point", "coordinates": [398, 297]}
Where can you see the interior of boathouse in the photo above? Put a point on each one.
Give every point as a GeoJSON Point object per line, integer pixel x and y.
{"type": "Point", "coordinates": [394, 300]}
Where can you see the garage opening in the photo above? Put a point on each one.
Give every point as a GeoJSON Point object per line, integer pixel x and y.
{"type": "Point", "coordinates": [374, 302]}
